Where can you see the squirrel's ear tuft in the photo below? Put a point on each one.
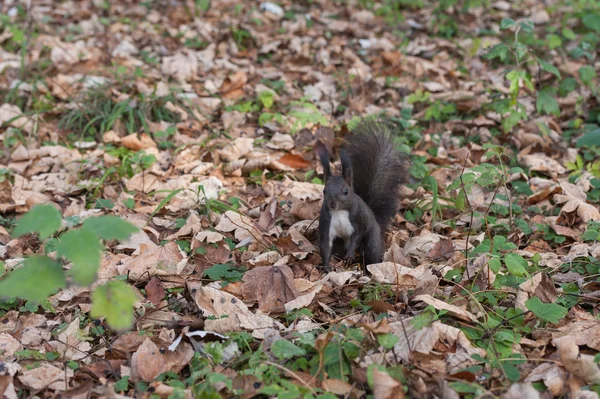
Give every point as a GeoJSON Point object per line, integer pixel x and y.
{"type": "Point", "coordinates": [346, 168]}
{"type": "Point", "coordinates": [324, 157]}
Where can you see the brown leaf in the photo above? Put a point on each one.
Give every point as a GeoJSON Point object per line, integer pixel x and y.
{"type": "Point", "coordinates": [149, 360]}
{"type": "Point", "coordinates": [541, 286]}
{"type": "Point", "coordinates": [268, 216]}
{"type": "Point", "coordinates": [452, 309]}
{"type": "Point", "coordinates": [107, 367]}
{"type": "Point", "coordinates": [379, 306]}
{"type": "Point", "coordinates": [46, 376]}
{"type": "Point", "coordinates": [155, 291]}
{"type": "Point", "coordinates": [443, 249]}
{"type": "Point", "coordinates": [580, 364]}
{"type": "Point", "coordinates": [233, 85]}
{"type": "Point", "coordinates": [164, 260]}
{"type": "Point", "coordinates": [385, 387]}
{"type": "Point", "coordinates": [341, 388]}
{"type": "Point", "coordinates": [553, 376]}
{"type": "Point", "coordinates": [294, 161]}
{"type": "Point", "coordinates": [271, 286]}
{"type": "Point", "coordinates": [134, 143]}
{"type": "Point", "coordinates": [128, 342]}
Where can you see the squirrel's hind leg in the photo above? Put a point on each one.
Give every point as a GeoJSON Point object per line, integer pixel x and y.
{"type": "Point", "coordinates": [373, 249]}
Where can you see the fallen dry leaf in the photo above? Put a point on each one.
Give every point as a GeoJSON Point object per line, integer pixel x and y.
{"type": "Point", "coordinates": [271, 286]}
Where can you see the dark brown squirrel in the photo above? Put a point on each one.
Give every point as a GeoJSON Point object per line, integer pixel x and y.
{"type": "Point", "coordinates": [359, 204]}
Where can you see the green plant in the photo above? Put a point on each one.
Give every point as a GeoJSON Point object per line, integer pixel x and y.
{"type": "Point", "coordinates": [518, 54]}
{"type": "Point", "coordinates": [97, 112]}
{"type": "Point", "coordinates": [40, 276]}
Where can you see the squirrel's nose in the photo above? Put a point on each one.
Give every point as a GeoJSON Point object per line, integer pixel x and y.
{"type": "Point", "coordinates": [331, 204]}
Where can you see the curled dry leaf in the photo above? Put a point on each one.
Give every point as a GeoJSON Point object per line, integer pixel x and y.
{"type": "Point", "coordinates": [149, 361]}
{"type": "Point", "coordinates": [155, 291]}
{"type": "Point", "coordinates": [541, 286]}
{"type": "Point", "coordinates": [242, 225]}
{"type": "Point", "coordinates": [404, 278]}
{"type": "Point", "coordinates": [580, 364]}
{"type": "Point", "coordinates": [281, 142]}
{"type": "Point", "coordinates": [385, 387]}
{"type": "Point", "coordinates": [135, 143]}
{"type": "Point", "coordinates": [70, 343]}
{"type": "Point", "coordinates": [575, 200]}
{"type": "Point", "coordinates": [46, 376]}
{"type": "Point", "coordinates": [552, 375]}
{"type": "Point", "coordinates": [341, 388]}
{"type": "Point", "coordinates": [214, 302]}
{"type": "Point", "coordinates": [294, 161]}
{"type": "Point", "coordinates": [452, 310]}
{"type": "Point", "coordinates": [271, 286]}
{"type": "Point", "coordinates": [236, 149]}
{"type": "Point", "coordinates": [442, 250]}
{"type": "Point", "coordinates": [8, 346]}
{"type": "Point", "coordinates": [166, 260]}
{"type": "Point", "coordinates": [232, 87]}
{"type": "Point", "coordinates": [521, 391]}
{"type": "Point", "coordinates": [542, 163]}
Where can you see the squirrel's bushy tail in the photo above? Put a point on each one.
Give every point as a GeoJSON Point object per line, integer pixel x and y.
{"type": "Point", "coordinates": [379, 168]}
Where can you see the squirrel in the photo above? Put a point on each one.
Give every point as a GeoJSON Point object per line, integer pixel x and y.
{"type": "Point", "coordinates": [358, 205]}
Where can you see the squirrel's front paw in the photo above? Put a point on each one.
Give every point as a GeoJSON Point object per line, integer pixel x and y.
{"type": "Point", "coordinates": [325, 268]}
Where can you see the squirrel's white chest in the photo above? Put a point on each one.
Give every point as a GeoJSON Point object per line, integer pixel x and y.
{"type": "Point", "coordinates": [340, 225]}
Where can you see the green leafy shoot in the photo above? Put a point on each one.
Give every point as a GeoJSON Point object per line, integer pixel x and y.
{"type": "Point", "coordinates": [82, 247]}
{"type": "Point", "coordinates": [114, 301]}
{"type": "Point", "coordinates": [42, 219]}
{"type": "Point", "coordinates": [109, 227]}
{"type": "Point", "coordinates": [550, 312]}
{"type": "Point", "coordinates": [40, 272]}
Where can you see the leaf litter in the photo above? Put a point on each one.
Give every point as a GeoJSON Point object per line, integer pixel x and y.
{"type": "Point", "coordinates": [200, 136]}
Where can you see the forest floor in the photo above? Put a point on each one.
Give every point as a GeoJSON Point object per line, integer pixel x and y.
{"type": "Point", "coordinates": [159, 196]}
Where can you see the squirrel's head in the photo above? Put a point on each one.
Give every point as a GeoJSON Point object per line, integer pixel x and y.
{"type": "Point", "coordinates": [338, 194]}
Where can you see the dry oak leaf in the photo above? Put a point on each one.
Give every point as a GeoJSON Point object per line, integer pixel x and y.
{"type": "Point", "coordinates": [541, 163]}
{"type": "Point", "coordinates": [7, 387]}
{"type": "Point", "coordinates": [308, 291]}
{"type": "Point", "coordinates": [452, 310]}
{"type": "Point", "coordinates": [443, 249]}
{"type": "Point", "coordinates": [155, 291]}
{"type": "Point", "coordinates": [576, 200]}
{"type": "Point", "coordinates": [582, 333]}
{"type": "Point", "coordinates": [404, 277]}
{"type": "Point", "coordinates": [341, 388]}
{"type": "Point", "coordinates": [69, 342]}
{"type": "Point", "coordinates": [294, 161]}
{"type": "Point", "coordinates": [302, 190]}
{"type": "Point", "coordinates": [135, 143]}
{"type": "Point", "coordinates": [182, 66]}
{"type": "Point", "coordinates": [214, 302]}
{"type": "Point", "coordinates": [281, 141]}
{"type": "Point", "coordinates": [148, 362]}
{"type": "Point", "coordinates": [580, 364]}
{"type": "Point", "coordinates": [419, 246]}
{"type": "Point", "coordinates": [12, 115]}
{"type": "Point", "coordinates": [554, 377]}
{"type": "Point", "coordinates": [521, 391]}
{"type": "Point", "coordinates": [46, 376]}
{"type": "Point", "coordinates": [232, 87]}
{"type": "Point", "coordinates": [8, 347]}
{"type": "Point", "coordinates": [192, 226]}
{"type": "Point", "coordinates": [542, 286]}
{"type": "Point", "coordinates": [166, 260]}
{"type": "Point", "coordinates": [271, 286]}
{"type": "Point", "coordinates": [241, 224]}
{"type": "Point", "coordinates": [385, 387]}
{"type": "Point", "coordinates": [236, 149]}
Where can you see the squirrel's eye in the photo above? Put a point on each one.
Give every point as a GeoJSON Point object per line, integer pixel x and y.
{"type": "Point", "coordinates": [345, 191]}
